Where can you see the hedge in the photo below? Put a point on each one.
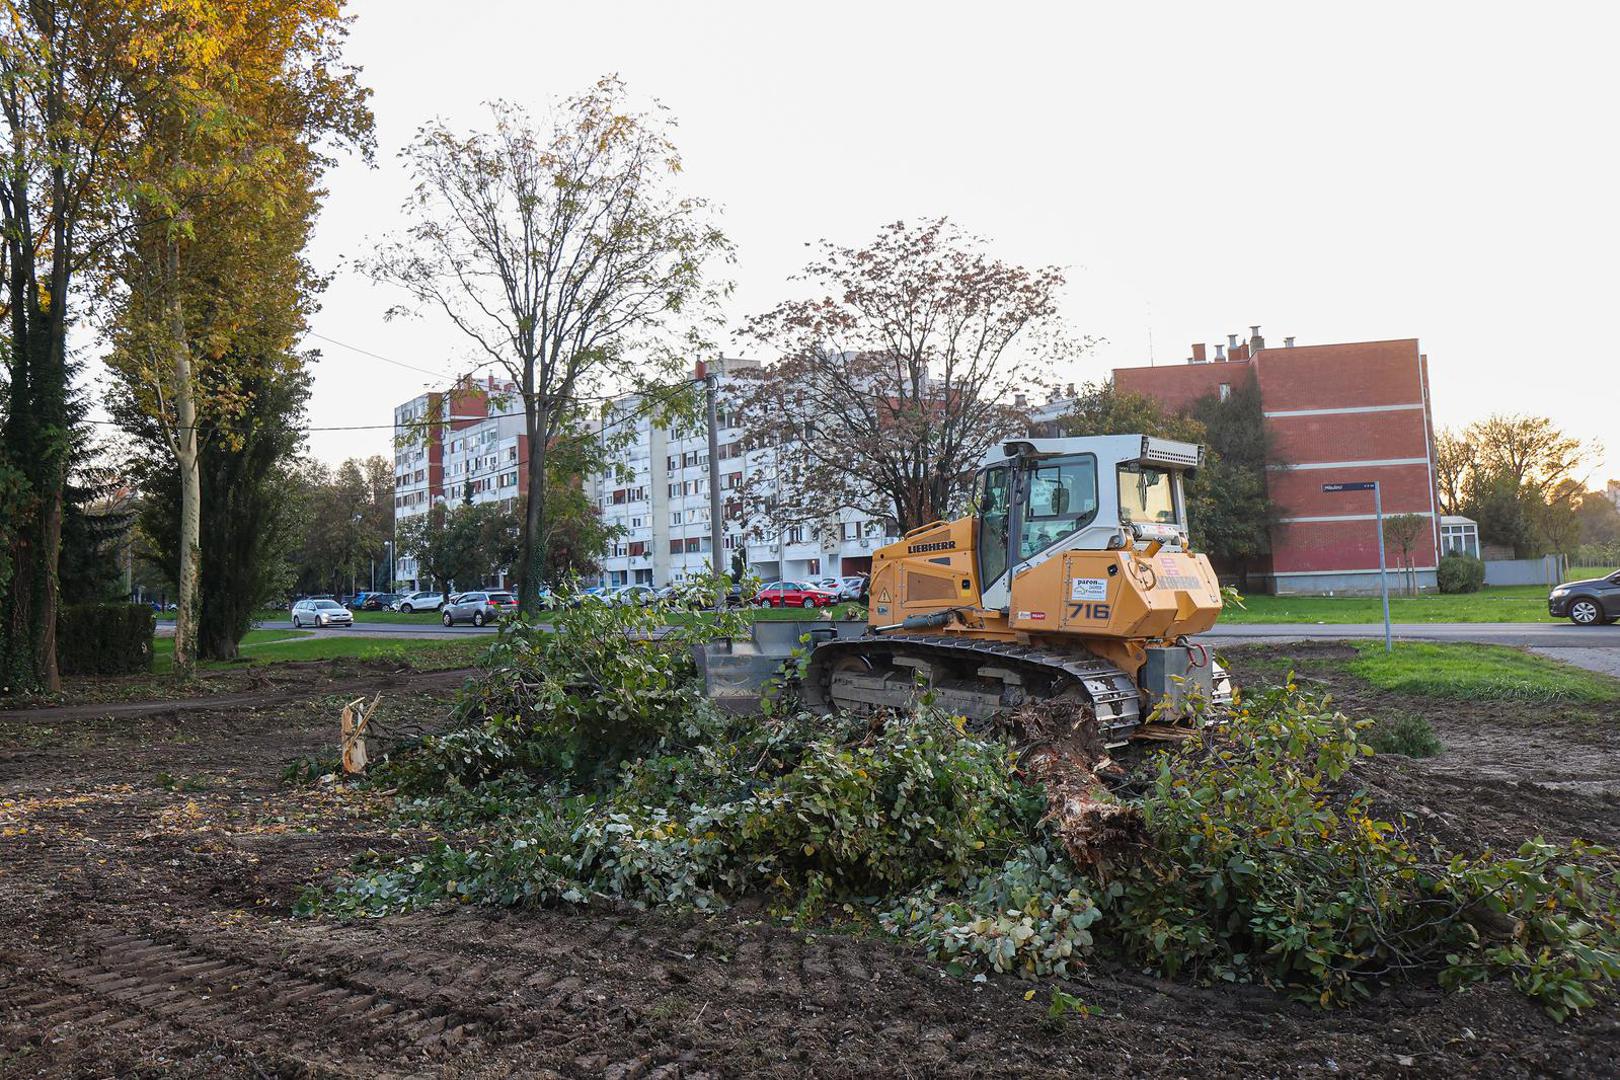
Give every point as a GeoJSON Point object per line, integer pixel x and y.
{"type": "Point", "coordinates": [105, 639]}
{"type": "Point", "coordinates": [1460, 574]}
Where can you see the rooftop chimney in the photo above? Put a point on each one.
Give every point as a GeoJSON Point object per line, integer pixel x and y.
{"type": "Point", "coordinates": [1220, 351]}
{"type": "Point", "coordinates": [1198, 353]}
{"type": "Point", "coordinates": [1256, 342]}
{"type": "Point", "coordinates": [1021, 400]}
{"type": "Point", "coordinates": [1288, 342]}
{"type": "Point", "coordinates": [1231, 341]}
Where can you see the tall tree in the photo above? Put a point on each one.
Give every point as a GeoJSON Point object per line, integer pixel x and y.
{"type": "Point", "coordinates": [65, 109]}
{"type": "Point", "coordinates": [236, 98]}
{"type": "Point", "coordinates": [1510, 473]}
{"type": "Point", "coordinates": [1453, 459]}
{"type": "Point", "coordinates": [251, 506]}
{"type": "Point", "coordinates": [899, 371]}
{"type": "Point", "coordinates": [557, 248]}
{"type": "Point", "coordinates": [1229, 506]}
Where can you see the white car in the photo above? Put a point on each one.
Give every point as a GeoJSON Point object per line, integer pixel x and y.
{"type": "Point", "coordinates": [419, 601]}
{"type": "Point", "coordinates": [321, 613]}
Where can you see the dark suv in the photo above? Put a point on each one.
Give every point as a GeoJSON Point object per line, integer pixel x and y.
{"type": "Point", "coordinates": [1592, 602]}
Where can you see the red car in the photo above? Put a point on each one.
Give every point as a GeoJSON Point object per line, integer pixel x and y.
{"type": "Point", "coordinates": [794, 594]}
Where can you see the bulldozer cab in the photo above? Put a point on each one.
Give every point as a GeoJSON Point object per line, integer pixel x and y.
{"type": "Point", "coordinates": [1037, 498]}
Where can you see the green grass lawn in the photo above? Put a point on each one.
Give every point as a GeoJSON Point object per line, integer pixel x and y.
{"type": "Point", "coordinates": [276, 646]}
{"type": "Point", "coordinates": [1514, 603]}
{"type": "Point", "coordinates": [1493, 672]}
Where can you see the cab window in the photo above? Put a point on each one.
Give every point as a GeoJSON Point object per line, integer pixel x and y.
{"type": "Point", "coordinates": [1146, 495]}
{"type": "Point", "coordinates": [994, 501]}
{"type": "Point", "coordinates": [1062, 500]}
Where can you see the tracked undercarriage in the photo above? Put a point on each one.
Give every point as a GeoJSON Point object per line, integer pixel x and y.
{"type": "Point", "coordinates": [978, 679]}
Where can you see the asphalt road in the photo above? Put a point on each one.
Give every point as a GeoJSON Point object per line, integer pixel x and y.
{"type": "Point", "coordinates": [1549, 635]}
{"type": "Point", "coordinates": [1596, 648]}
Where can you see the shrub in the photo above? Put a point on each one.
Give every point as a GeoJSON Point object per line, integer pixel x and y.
{"type": "Point", "coordinates": [1030, 916]}
{"type": "Point", "coordinates": [1458, 573]}
{"type": "Point", "coordinates": [1263, 862]}
{"type": "Point", "coordinates": [105, 639]}
{"type": "Point", "coordinates": [602, 685]}
{"type": "Point", "coordinates": [917, 801]}
{"type": "Point", "coordinates": [801, 811]}
{"type": "Point", "coordinates": [1405, 733]}
{"type": "Point", "coordinates": [1263, 869]}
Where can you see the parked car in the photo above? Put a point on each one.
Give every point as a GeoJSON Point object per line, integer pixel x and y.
{"type": "Point", "coordinates": [631, 595]}
{"type": "Point", "coordinates": [378, 601]}
{"type": "Point", "coordinates": [1592, 602]}
{"type": "Point", "coordinates": [419, 601]}
{"type": "Point", "coordinates": [478, 608]}
{"type": "Point", "coordinates": [320, 613]}
{"type": "Point", "coordinates": [845, 588]}
{"type": "Point", "coordinates": [685, 594]}
{"type": "Point", "coordinates": [794, 594]}
{"type": "Point", "coordinates": [856, 586]}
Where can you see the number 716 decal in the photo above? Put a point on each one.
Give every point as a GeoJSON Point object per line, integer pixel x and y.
{"type": "Point", "coordinates": [1099, 612]}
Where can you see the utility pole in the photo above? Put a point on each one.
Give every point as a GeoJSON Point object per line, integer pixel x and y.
{"type": "Point", "coordinates": [1383, 574]}
{"type": "Point", "coordinates": [717, 530]}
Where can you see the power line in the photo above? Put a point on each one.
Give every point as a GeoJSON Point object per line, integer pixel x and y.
{"type": "Point", "coordinates": [379, 356]}
{"type": "Point", "coordinates": [440, 374]}
{"type": "Point", "coordinates": [649, 401]}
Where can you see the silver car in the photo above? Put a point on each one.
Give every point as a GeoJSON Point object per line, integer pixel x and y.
{"type": "Point", "coordinates": [320, 613]}
{"type": "Point", "coordinates": [478, 608]}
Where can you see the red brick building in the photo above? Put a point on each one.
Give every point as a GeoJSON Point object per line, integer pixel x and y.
{"type": "Point", "coordinates": [1338, 414]}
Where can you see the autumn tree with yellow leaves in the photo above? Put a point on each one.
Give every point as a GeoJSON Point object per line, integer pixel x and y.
{"type": "Point", "coordinates": [238, 104]}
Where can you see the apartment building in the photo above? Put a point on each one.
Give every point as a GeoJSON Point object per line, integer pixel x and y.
{"type": "Point", "coordinates": [471, 440]}
{"type": "Point", "coordinates": [467, 442]}
{"type": "Point", "coordinates": [657, 497]}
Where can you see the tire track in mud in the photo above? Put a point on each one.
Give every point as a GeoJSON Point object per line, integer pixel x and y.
{"type": "Point", "coordinates": [194, 993]}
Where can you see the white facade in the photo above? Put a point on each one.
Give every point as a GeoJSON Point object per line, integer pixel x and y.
{"type": "Point", "coordinates": [659, 501]}
{"type": "Point", "coordinates": [656, 498]}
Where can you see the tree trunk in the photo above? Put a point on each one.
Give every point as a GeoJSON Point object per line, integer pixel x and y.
{"type": "Point", "coordinates": [532, 563]}
{"type": "Point", "coordinates": [187, 457]}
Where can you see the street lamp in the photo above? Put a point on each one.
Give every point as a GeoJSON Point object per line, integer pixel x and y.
{"type": "Point", "coordinates": [389, 545]}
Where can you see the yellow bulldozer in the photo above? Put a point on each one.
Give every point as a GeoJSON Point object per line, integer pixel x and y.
{"type": "Point", "coordinates": [1070, 579]}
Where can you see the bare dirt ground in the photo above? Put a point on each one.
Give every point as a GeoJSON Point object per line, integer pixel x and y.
{"type": "Point", "coordinates": [148, 865]}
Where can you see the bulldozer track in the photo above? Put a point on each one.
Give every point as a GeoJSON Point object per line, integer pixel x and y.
{"type": "Point", "coordinates": [1111, 692]}
{"type": "Point", "coordinates": [579, 995]}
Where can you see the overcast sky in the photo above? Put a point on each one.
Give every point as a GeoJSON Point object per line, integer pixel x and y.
{"type": "Point", "coordinates": [1439, 171]}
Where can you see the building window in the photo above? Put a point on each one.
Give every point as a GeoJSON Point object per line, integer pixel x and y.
{"type": "Point", "coordinates": [675, 546]}
{"type": "Point", "coordinates": [675, 518]}
{"type": "Point", "coordinates": [796, 534]}
{"type": "Point", "coordinates": [1226, 391]}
